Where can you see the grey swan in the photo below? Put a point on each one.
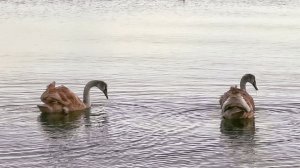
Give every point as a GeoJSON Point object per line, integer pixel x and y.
{"type": "Point", "coordinates": [61, 99]}
{"type": "Point", "coordinates": [237, 103]}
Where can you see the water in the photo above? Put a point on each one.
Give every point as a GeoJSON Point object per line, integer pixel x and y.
{"type": "Point", "coordinates": [166, 63]}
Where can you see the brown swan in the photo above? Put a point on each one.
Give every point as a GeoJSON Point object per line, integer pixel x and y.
{"type": "Point", "coordinates": [62, 99]}
{"type": "Point", "coordinates": [237, 103]}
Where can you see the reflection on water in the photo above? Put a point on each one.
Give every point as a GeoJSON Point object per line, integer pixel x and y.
{"type": "Point", "coordinates": [59, 124]}
{"type": "Point", "coordinates": [60, 119]}
{"type": "Point", "coordinates": [239, 138]}
{"type": "Point", "coordinates": [238, 126]}
{"type": "Point", "coordinates": [63, 130]}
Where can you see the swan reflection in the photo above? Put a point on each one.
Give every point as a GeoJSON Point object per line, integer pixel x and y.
{"type": "Point", "coordinates": [238, 126]}
{"type": "Point", "coordinates": [59, 125]}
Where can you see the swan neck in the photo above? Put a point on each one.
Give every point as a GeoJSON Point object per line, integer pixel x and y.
{"type": "Point", "coordinates": [86, 94]}
{"type": "Point", "coordinates": [243, 83]}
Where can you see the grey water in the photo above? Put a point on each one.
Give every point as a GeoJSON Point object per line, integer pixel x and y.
{"type": "Point", "coordinates": [166, 64]}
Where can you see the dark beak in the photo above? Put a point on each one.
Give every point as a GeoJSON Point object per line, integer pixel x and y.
{"type": "Point", "coordinates": [254, 84]}
{"type": "Point", "coordinates": [105, 93]}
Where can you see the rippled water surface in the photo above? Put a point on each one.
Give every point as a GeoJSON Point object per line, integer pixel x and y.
{"type": "Point", "coordinates": [166, 63]}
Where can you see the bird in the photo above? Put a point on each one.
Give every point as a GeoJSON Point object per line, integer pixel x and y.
{"type": "Point", "coordinates": [61, 99]}
{"type": "Point", "coordinates": [237, 103]}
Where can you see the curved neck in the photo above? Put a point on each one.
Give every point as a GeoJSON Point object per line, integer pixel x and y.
{"type": "Point", "coordinates": [86, 93]}
{"type": "Point", "coordinates": [243, 83]}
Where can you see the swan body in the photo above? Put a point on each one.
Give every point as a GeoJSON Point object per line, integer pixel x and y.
{"type": "Point", "coordinates": [236, 102]}
{"type": "Point", "coordinates": [62, 99]}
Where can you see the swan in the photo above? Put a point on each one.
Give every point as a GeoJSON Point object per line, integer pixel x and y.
{"type": "Point", "coordinates": [237, 103]}
{"type": "Point", "coordinates": [62, 99]}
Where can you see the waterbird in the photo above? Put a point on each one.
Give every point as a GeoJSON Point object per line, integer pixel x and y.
{"type": "Point", "coordinates": [61, 99]}
{"type": "Point", "coordinates": [236, 103]}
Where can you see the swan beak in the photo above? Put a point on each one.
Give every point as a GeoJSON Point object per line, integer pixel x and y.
{"type": "Point", "coordinates": [105, 93]}
{"type": "Point", "coordinates": [254, 84]}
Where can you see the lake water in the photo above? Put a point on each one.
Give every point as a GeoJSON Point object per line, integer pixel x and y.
{"type": "Point", "coordinates": [166, 64]}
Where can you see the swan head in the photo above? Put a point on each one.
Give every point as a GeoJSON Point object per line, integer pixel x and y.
{"type": "Point", "coordinates": [103, 87]}
{"type": "Point", "coordinates": [249, 78]}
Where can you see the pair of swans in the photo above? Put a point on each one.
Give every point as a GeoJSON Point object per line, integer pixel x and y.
{"type": "Point", "coordinates": [235, 103]}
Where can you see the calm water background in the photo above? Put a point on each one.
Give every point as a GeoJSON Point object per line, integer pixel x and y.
{"type": "Point", "coordinates": [166, 63]}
